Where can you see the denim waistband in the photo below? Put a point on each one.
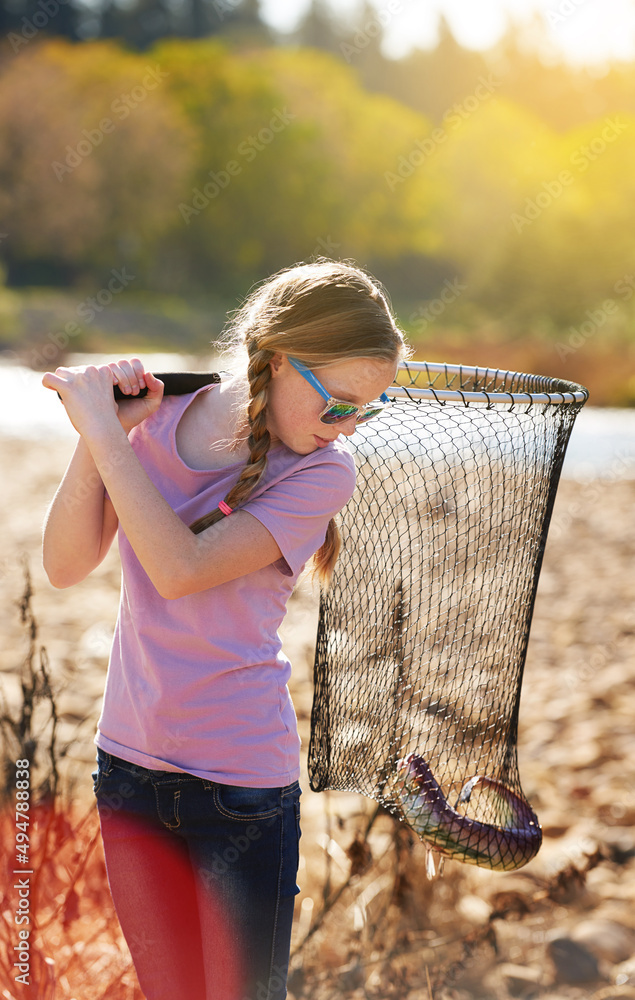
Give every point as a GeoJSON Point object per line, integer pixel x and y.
{"type": "Point", "coordinates": [108, 761]}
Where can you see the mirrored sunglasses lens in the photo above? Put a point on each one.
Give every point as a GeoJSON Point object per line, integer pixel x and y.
{"type": "Point", "coordinates": [337, 412]}
{"type": "Point", "coordinates": [369, 414]}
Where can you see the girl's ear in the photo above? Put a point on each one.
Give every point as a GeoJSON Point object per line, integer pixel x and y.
{"type": "Point", "coordinates": [276, 362]}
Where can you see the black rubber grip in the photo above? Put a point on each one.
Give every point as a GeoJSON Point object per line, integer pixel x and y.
{"type": "Point", "coordinates": [176, 384]}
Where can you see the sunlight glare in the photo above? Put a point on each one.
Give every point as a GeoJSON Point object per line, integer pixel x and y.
{"type": "Point", "coordinates": [583, 31]}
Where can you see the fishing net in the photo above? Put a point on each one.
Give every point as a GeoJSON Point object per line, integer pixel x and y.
{"type": "Point", "coordinates": [423, 634]}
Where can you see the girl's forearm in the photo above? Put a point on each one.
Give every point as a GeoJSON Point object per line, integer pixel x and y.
{"type": "Point", "coordinates": [163, 544]}
{"type": "Point", "coordinates": [73, 539]}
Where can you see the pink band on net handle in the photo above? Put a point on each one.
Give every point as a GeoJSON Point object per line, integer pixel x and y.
{"type": "Point", "coordinates": [225, 508]}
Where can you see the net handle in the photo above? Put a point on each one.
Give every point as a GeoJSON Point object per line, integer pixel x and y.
{"type": "Point", "coordinates": [565, 392]}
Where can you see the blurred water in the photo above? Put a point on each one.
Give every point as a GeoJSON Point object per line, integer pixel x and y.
{"type": "Point", "coordinates": [29, 411]}
{"type": "Point", "coordinates": [602, 444]}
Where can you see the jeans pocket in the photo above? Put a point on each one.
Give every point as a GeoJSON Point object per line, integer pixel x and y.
{"type": "Point", "coordinates": [296, 806]}
{"type": "Point", "coordinates": [103, 767]}
{"type": "Point", "coordinates": [242, 802]}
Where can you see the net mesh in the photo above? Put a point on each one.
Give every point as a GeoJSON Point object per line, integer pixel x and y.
{"type": "Point", "coordinates": [423, 632]}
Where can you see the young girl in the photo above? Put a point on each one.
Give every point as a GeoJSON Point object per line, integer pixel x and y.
{"type": "Point", "coordinates": [220, 497]}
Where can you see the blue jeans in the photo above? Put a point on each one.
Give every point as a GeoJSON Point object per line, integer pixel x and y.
{"type": "Point", "coordinates": [202, 876]}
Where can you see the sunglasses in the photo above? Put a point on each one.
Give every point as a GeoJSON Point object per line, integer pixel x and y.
{"type": "Point", "coordinates": [336, 410]}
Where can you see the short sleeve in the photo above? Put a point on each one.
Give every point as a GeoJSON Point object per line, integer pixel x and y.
{"type": "Point", "coordinates": [296, 510]}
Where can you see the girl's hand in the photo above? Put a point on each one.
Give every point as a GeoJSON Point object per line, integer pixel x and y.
{"type": "Point", "coordinates": [131, 378]}
{"type": "Point", "coordinates": [87, 394]}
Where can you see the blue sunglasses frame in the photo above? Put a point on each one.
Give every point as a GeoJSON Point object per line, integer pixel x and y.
{"type": "Point", "coordinates": [332, 402]}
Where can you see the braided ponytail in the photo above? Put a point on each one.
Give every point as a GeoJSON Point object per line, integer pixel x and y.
{"type": "Point", "coordinates": [259, 440]}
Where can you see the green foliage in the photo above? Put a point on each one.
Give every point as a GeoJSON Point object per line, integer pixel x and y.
{"type": "Point", "coordinates": [201, 167]}
{"type": "Point", "coordinates": [93, 153]}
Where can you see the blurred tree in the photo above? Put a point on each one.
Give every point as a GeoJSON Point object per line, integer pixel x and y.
{"type": "Point", "coordinates": [488, 161]}
{"type": "Point", "coordinates": [244, 26]}
{"type": "Point", "coordinates": [319, 29]}
{"type": "Point", "coordinates": [529, 70]}
{"type": "Point", "coordinates": [137, 23]}
{"type": "Point", "coordinates": [535, 76]}
{"type": "Point", "coordinates": [614, 90]}
{"type": "Point", "coordinates": [578, 241]}
{"type": "Point", "coordinates": [93, 152]}
{"type": "Point", "coordinates": [431, 81]}
{"type": "Point", "coordinates": [228, 101]}
{"type": "Point", "coordinates": [538, 223]}
{"type": "Point", "coordinates": [288, 166]}
{"type": "Point", "coordinates": [361, 44]}
{"type": "Point", "coordinates": [28, 18]}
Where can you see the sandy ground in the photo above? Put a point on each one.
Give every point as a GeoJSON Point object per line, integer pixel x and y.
{"type": "Point", "coordinates": [576, 746]}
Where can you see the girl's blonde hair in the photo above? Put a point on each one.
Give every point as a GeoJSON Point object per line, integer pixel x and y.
{"type": "Point", "coordinates": [322, 312]}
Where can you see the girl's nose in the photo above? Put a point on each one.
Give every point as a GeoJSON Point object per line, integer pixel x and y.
{"type": "Point", "coordinates": [348, 426]}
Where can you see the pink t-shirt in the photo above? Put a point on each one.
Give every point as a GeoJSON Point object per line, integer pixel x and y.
{"type": "Point", "coordinates": [199, 684]}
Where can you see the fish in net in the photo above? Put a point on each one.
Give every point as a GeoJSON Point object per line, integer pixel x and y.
{"type": "Point", "coordinates": [423, 632]}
